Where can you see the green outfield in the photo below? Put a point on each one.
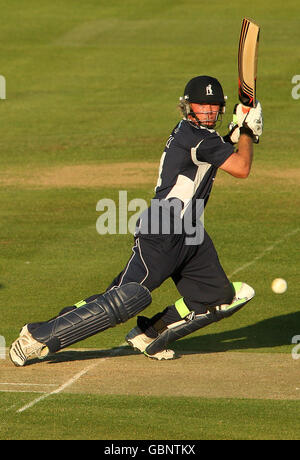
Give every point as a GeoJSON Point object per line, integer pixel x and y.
{"type": "Point", "coordinates": [91, 97]}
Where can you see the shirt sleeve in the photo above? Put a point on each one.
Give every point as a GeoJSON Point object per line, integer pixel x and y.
{"type": "Point", "coordinates": [212, 149]}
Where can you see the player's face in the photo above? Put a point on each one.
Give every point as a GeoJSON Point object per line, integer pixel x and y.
{"type": "Point", "coordinates": [207, 114]}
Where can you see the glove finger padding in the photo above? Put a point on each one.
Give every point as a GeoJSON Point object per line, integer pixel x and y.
{"type": "Point", "coordinates": [250, 118]}
{"type": "Point", "coordinates": [254, 120]}
{"type": "Point", "coordinates": [241, 113]}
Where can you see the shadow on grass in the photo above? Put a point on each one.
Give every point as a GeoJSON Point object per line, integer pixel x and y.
{"type": "Point", "coordinates": [83, 355]}
{"type": "Point", "coordinates": [269, 333]}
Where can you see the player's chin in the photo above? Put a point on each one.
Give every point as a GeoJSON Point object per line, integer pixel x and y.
{"type": "Point", "coordinates": [209, 124]}
{"type": "Point", "coordinates": [215, 124]}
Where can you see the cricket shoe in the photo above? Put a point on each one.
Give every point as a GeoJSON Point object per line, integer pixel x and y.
{"type": "Point", "coordinates": [25, 348]}
{"type": "Point", "coordinates": [139, 341]}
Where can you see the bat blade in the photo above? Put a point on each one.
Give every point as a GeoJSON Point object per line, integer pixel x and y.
{"type": "Point", "coordinates": [247, 62]}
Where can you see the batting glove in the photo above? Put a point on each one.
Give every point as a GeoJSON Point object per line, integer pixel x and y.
{"type": "Point", "coordinates": [250, 119]}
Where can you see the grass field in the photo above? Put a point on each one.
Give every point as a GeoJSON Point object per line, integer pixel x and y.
{"type": "Point", "coordinates": [91, 95]}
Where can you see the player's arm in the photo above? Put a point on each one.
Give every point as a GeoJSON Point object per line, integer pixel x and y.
{"type": "Point", "coordinates": [250, 125]}
{"type": "Point", "coordinates": [239, 163]}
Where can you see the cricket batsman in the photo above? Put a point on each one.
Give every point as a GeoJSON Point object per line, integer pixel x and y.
{"type": "Point", "coordinates": [170, 241]}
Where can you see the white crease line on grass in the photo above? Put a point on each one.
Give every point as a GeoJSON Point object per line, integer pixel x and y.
{"type": "Point", "coordinates": [84, 371]}
{"type": "Point", "coordinates": [58, 390]}
{"type": "Point", "coordinates": [263, 253]}
{"type": "Point", "coordinates": [29, 384]}
{"type": "Point", "coordinates": [69, 382]}
{"type": "Point", "coordinates": [22, 391]}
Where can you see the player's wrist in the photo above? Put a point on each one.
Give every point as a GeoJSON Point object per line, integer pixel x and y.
{"type": "Point", "coordinates": [247, 131]}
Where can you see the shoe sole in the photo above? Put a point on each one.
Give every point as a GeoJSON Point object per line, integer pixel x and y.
{"type": "Point", "coordinates": [20, 352]}
{"type": "Point", "coordinates": [133, 336]}
{"type": "Point", "coordinates": [149, 356]}
{"type": "Point", "coordinates": [161, 359]}
{"type": "Point", "coordinates": [132, 346]}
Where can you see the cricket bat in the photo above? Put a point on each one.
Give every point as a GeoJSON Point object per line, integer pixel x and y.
{"type": "Point", "coordinates": [247, 62]}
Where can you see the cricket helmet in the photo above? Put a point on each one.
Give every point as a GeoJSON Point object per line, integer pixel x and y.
{"type": "Point", "coordinates": [202, 90]}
